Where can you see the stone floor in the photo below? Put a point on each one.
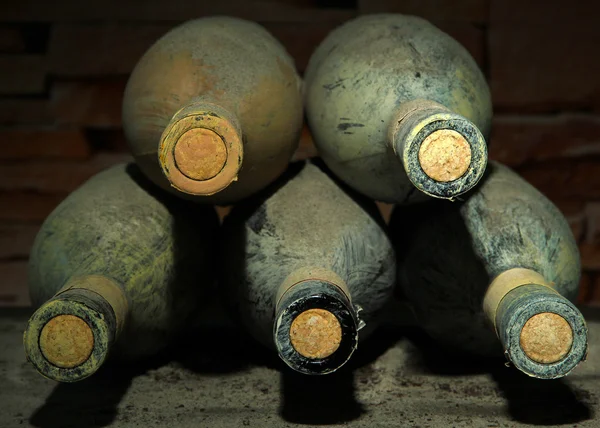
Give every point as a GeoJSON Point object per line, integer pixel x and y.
{"type": "Point", "coordinates": [222, 379]}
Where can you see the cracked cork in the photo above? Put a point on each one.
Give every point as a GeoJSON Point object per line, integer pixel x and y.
{"type": "Point", "coordinates": [546, 338]}
{"type": "Point", "coordinates": [316, 333]}
{"type": "Point", "coordinates": [66, 341]}
{"type": "Point", "coordinates": [445, 155]}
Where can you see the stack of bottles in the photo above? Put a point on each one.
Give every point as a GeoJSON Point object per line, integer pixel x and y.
{"type": "Point", "coordinates": [400, 113]}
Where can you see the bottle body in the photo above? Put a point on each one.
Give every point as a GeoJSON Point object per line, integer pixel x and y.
{"type": "Point", "coordinates": [460, 264]}
{"type": "Point", "coordinates": [120, 248]}
{"type": "Point", "coordinates": [307, 238]}
{"type": "Point", "coordinates": [361, 77]}
{"type": "Point", "coordinates": [211, 70]}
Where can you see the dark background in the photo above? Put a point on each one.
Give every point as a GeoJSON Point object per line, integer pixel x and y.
{"type": "Point", "coordinates": [64, 65]}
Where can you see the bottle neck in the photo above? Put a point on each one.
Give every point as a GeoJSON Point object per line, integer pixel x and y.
{"type": "Point", "coordinates": [316, 325]}
{"type": "Point", "coordinates": [201, 149]}
{"type": "Point", "coordinates": [543, 334]}
{"type": "Point", "coordinates": [69, 337]}
{"type": "Point", "coordinates": [311, 273]}
{"type": "Point", "coordinates": [443, 153]}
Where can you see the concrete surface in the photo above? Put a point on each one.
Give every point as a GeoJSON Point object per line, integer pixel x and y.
{"type": "Point", "coordinates": [222, 379]}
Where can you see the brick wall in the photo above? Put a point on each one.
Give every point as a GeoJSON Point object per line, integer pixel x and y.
{"type": "Point", "coordinates": [64, 65]}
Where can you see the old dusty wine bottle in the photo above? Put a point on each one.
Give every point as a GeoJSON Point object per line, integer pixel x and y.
{"type": "Point", "coordinates": [308, 265]}
{"type": "Point", "coordinates": [395, 105]}
{"type": "Point", "coordinates": [117, 268]}
{"type": "Point", "coordinates": [505, 259]}
{"type": "Point", "coordinates": [214, 107]}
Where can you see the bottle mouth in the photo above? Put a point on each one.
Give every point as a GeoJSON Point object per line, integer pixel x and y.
{"type": "Point", "coordinates": [545, 337]}
{"type": "Point", "coordinates": [201, 152]}
{"type": "Point", "coordinates": [315, 332]}
{"type": "Point", "coordinates": [67, 341]}
{"type": "Point", "coordinates": [446, 156]}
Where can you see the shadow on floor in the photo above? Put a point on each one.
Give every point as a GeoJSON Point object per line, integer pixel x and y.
{"type": "Point", "coordinates": [529, 400]}
{"type": "Point", "coordinates": [330, 399]}
{"type": "Point", "coordinates": [222, 349]}
{"type": "Point", "coordinates": [542, 402]}
{"type": "Point", "coordinates": [319, 400]}
{"type": "Point", "coordinates": [92, 402]}
{"type": "Point", "coordinates": [433, 358]}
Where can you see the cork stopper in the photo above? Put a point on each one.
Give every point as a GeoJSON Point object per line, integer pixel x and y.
{"type": "Point", "coordinates": [200, 154]}
{"type": "Point", "coordinates": [546, 338]}
{"type": "Point", "coordinates": [66, 341]}
{"type": "Point", "coordinates": [445, 155]}
{"type": "Point", "coordinates": [316, 333]}
{"type": "Point", "coordinates": [201, 150]}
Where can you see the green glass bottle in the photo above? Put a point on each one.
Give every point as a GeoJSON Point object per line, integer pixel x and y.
{"type": "Point", "coordinates": [307, 265]}
{"type": "Point", "coordinates": [496, 272]}
{"type": "Point", "coordinates": [396, 105]}
{"type": "Point", "coordinates": [117, 269]}
{"type": "Point", "coordinates": [213, 110]}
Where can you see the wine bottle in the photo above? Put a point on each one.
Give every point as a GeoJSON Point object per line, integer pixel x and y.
{"type": "Point", "coordinates": [308, 265]}
{"type": "Point", "coordinates": [394, 105]}
{"type": "Point", "coordinates": [504, 260]}
{"type": "Point", "coordinates": [117, 269]}
{"type": "Point", "coordinates": [214, 107]}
